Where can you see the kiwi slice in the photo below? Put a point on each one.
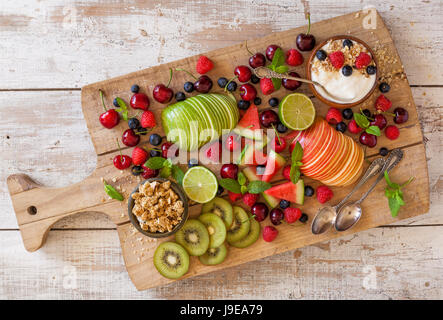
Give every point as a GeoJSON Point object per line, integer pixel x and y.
{"type": "Point", "coordinates": [214, 255]}
{"type": "Point", "coordinates": [171, 260]}
{"type": "Point", "coordinates": [220, 207]}
{"type": "Point", "coordinates": [240, 226]}
{"type": "Point", "coordinates": [251, 237]}
{"type": "Point", "coordinates": [194, 237]}
{"type": "Point", "coordinates": [216, 229]}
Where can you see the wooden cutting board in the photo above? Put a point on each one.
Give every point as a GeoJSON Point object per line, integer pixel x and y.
{"type": "Point", "coordinates": [37, 208]}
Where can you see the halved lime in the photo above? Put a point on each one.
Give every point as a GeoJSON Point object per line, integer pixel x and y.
{"type": "Point", "coordinates": [296, 111]}
{"type": "Point", "coordinates": [200, 184]}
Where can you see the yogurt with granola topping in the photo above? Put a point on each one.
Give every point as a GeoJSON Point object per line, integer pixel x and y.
{"type": "Point", "coordinates": [350, 80]}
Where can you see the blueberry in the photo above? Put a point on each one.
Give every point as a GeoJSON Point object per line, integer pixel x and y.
{"type": "Point", "coordinates": [383, 151]}
{"type": "Point", "coordinates": [303, 218]}
{"type": "Point", "coordinates": [384, 87]}
{"type": "Point", "coordinates": [260, 170]}
{"type": "Point", "coordinates": [188, 86]}
{"type": "Point", "coordinates": [281, 128]}
{"type": "Point", "coordinates": [341, 126]}
{"type": "Point", "coordinates": [347, 43]}
{"type": "Point", "coordinates": [257, 101]}
{"type": "Point", "coordinates": [222, 82]}
{"type": "Point", "coordinates": [347, 113]}
{"type": "Point", "coordinates": [136, 170]}
{"type": "Point", "coordinates": [142, 131]}
{"type": "Point", "coordinates": [155, 139]}
{"type": "Point", "coordinates": [180, 96]}
{"type": "Point", "coordinates": [192, 163]}
{"type": "Point", "coordinates": [367, 113]}
{"type": "Point", "coordinates": [232, 86]}
{"type": "Point", "coordinates": [155, 153]}
{"type": "Point", "coordinates": [321, 55]}
{"type": "Point", "coordinates": [115, 103]}
{"type": "Point", "coordinates": [255, 79]}
{"type": "Point", "coordinates": [243, 104]}
{"type": "Point", "coordinates": [133, 123]}
{"type": "Point", "coordinates": [135, 88]}
{"type": "Point", "coordinates": [346, 70]}
{"type": "Point", "coordinates": [309, 191]}
{"type": "Point", "coordinates": [273, 102]}
{"type": "Point", "coordinates": [284, 204]}
{"type": "Point", "coordinates": [371, 69]}
{"type": "Point", "coordinates": [220, 190]}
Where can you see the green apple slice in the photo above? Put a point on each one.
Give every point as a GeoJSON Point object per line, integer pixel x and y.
{"type": "Point", "coordinates": [206, 107]}
{"type": "Point", "coordinates": [191, 124]}
{"type": "Point", "coordinates": [218, 110]}
{"type": "Point", "coordinates": [232, 109]}
{"type": "Point", "coordinates": [213, 110]}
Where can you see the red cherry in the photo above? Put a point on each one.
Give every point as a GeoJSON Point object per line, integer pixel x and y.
{"type": "Point", "coordinates": [379, 121]}
{"type": "Point", "coordinates": [139, 101]}
{"type": "Point", "coordinates": [243, 73]}
{"type": "Point", "coordinates": [269, 118]}
{"type": "Point", "coordinates": [270, 51]}
{"type": "Point", "coordinates": [257, 60]}
{"type": "Point", "coordinates": [203, 84]}
{"type": "Point", "coordinates": [291, 84]}
{"type": "Point", "coordinates": [401, 115]}
{"type": "Point", "coordinates": [165, 149]}
{"type": "Point", "coordinates": [306, 41]}
{"type": "Point", "coordinates": [229, 171]}
{"type": "Point", "coordinates": [248, 92]}
{"type": "Point", "coordinates": [122, 162]}
{"type": "Point", "coordinates": [368, 139]}
{"type": "Point", "coordinates": [130, 139]}
{"type": "Point", "coordinates": [278, 146]}
{"type": "Point", "coordinates": [162, 93]}
{"type": "Point", "coordinates": [260, 210]}
{"type": "Point", "coordinates": [276, 216]}
{"type": "Point", "coordinates": [109, 119]}
{"type": "Point", "coordinates": [233, 143]}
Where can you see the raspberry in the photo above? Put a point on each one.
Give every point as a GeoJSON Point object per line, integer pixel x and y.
{"type": "Point", "coordinates": [149, 173]}
{"type": "Point", "coordinates": [337, 59]}
{"type": "Point", "coordinates": [139, 156]}
{"type": "Point", "coordinates": [287, 172]}
{"type": "Point", "coordinates": [234, 196]}
{"type": "Point", "coordinates": [250, 199]}
{"type": "Point", "coordinates": [353, 127]}
{"type": "Point", "coordinates": [292, 214]}
{"type": "Point", "coordinates": [204, 65]}
{"type": "Point", "coordinates": [294, 58]}
{"type": "Point", "coordinates": [266, 86]}
{"type": "Point", "coordinates": [382, 103]}
{"type": "Point", "coordinates": [392, 132]}
{"type": "Point", "coordinates": [333, 116]}
{"type": "Point", "coordinates": [269, 233]}
{"type": "Point", "coordinates": [147, 119]}
{"type": "Point", "coordinates": [362, 60]}
{"type": "Point", "coordinates": [324, 194]}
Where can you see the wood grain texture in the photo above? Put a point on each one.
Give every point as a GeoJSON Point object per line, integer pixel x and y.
{"type": "Point", "coordinates": [58, 155]}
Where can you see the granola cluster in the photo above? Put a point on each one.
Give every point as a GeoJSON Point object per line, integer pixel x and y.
{"type": "Point", "coordinates": [157, 207]}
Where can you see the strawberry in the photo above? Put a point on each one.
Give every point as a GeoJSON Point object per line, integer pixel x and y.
{"type": "Point", "coordinates": [333, 116]}
{"type": "Point", "coordinates": [250, 199]}
{"type": "Point", "coordinates": [139, 156]}
{"type": "Point", "coordinates": [287, 172]}
{"type": "Point", "coordinates": [324, 194]}
{"type": "Point", "coordinates": [392, 132]}
{"type": "Point", "coordinates": [269, 233]}
{"type": "Point", "coordinates": [382, 103]}
{"type": "Point", "coordinates": [147, 119]}
{"type": "Point", "coordinates": [362, 60]}
{"type": "Point", "coordinates": [337, 59]}
{"type": "Point", "coordinates": [204, 65]}
{"type": "Point", "coordinates": [353, 127]}
{"type": "Point", "coordinates": [294, 58]}
{"type": "Point", "coordinates": [266, 86]}
{"type": "Point", "coordinates": [292, 214]}
{"type": "Point", "coordinates": [234, 196]}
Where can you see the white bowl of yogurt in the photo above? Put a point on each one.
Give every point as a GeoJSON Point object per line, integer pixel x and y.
{"type": "Point", "coordinates": [350, 83]}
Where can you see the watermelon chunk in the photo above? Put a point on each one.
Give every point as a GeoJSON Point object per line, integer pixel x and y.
{"type": "Point", "coordinates": [288, 191]}
{"type": "Point", "coordinates": [251, 175]}
{"type": "Point", "coordinates": [275, 162]}
{"type": "Point", "coordinates": [249, 125]}
{"type": "Point", "coordinates": [252, 156]}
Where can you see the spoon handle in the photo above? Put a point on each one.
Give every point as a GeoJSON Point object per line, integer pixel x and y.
{"type": "Point", "coordinates": [263, 72]}
{"type": "Point", "coordinates": [373, 169]}
{"type": "Point", "coordinates": [393, 159]}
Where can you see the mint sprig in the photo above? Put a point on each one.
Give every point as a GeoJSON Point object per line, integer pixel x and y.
{"type": "Point", "coordinates": [296, 157]}
{"type": "Point", "coordinates": [363, 122]}
{"type": "Point", "coordinates": [123, 108]}
{"type": "Point", "coordinates": [166, 168]}
{"type": "Point", "coordinates": [110, 191]}
{"type": "Point", "coordinates": [278, 65]}
{"type": "Point", "coordinates": [394, 194]}
{"type": "Point", "coordinates": [239, 185]}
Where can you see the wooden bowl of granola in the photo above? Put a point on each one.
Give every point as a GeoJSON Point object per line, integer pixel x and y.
{"type": "Point", "coordinates": [158, 207]}
{"type": "Point", "coordinates": [355, 87]}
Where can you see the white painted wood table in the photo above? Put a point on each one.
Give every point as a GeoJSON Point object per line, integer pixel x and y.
{"type": "Point", "coordinates": [50, 49]}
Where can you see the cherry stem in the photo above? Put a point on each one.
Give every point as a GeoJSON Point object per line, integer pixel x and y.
{"type": "Point", "coordinates": [103, 101]}
{"type": "Point", "coordinates": [226, 86]}
{"type": "Point", "coordinates": [170, 77]}
{"type": "Point", "coordinates": [247, 49]}
{"type": "Point", "coordinates": [119, 149]}
{"type": "Point", "coordinates": [278, 136]}
{"type": "Point", "coordinates": [143, 132]}
{"type": "Point", "coordinates": [309, 23]}
{"type": "Point", "coordinates": [180, 69]}
{"type": "Point", "coordinates": [389, 113]}
{"type": "Point", "coordinates": [249, 219]}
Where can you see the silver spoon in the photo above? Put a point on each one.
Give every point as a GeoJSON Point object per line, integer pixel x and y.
{"type": "Point", "coordinates": [263, 72]}
{"type": "Point", "coordinates": [351, 213]}
{"type": "Point", "coordinates": [326, 216]}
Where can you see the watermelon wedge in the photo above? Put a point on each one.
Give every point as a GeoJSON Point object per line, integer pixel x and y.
{"type": "Point", "coordinates": [251, 175]}
{"type": "Point", "coordinates": [252, 156]}
{"type": "Point", "coordinates": [288, 191]}
{"type": "Point", "coordinates": [275, 162]}
{"type": "Point", "coordinates": [249, 125]}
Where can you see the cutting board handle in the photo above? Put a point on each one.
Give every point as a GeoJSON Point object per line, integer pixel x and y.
{"type": "Point", "coordinates": [37, 208]}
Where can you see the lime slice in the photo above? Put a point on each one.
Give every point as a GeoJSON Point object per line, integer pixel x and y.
{"type": "Point", "coordinates": [200, 184]}
{"type": "Point", "coordinates": [296, 111]}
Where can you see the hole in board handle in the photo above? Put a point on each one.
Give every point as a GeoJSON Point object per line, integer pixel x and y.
{"type": "Point", "coordinates": [32, 210]}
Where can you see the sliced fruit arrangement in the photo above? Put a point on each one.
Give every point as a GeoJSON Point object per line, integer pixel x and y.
{"type": "Point", "coordinates": [221, 208]}
{"type": "Point", "coordinates": [194, 237]}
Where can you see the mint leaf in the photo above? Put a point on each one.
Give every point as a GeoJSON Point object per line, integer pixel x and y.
{"type": "Point", "coordinates": [282, 69]}
{"type": "Point", "coordinates": [297, 153]}
{"type": "Point", "coordinates": [165, 172]}
{"type": "Point", "coordinates": [276, 83]}
{"type": "Point", "coordinates": [241, 178]}
{"type": "Point", "coordinates": [177, 174]}
{"type": "Point", "coordinates": [123, 108]}
{"type": "Point", "coordinates": [394, 194]}
{"type": "Point", "coordinates": [389, 183]}
{"type": "Point", "coordinates": [374, 130]}
{"type": "Point", "coordinates": [258, 186]}
{"type": "Point", "coordinates": [243, 189]}
{"type": "Point", "coordinates": [168, 163]}
{"type": "Point", "coordinates": [394, 206]}
{"type": "Point", "coordinates": [296, 156]}
{"type": "Point", "coordinates": [278, 59]}
{"type": "Point", "coordinates": [230, 184]}
{"type": "Point", "coordinates": [110, 191]}
{"type": "Point", "coordinates": [361, 120]}
{"type": "Point", "coordinates": [155, 163]}
{"type": "Point", "coordinates": [294, 174]}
